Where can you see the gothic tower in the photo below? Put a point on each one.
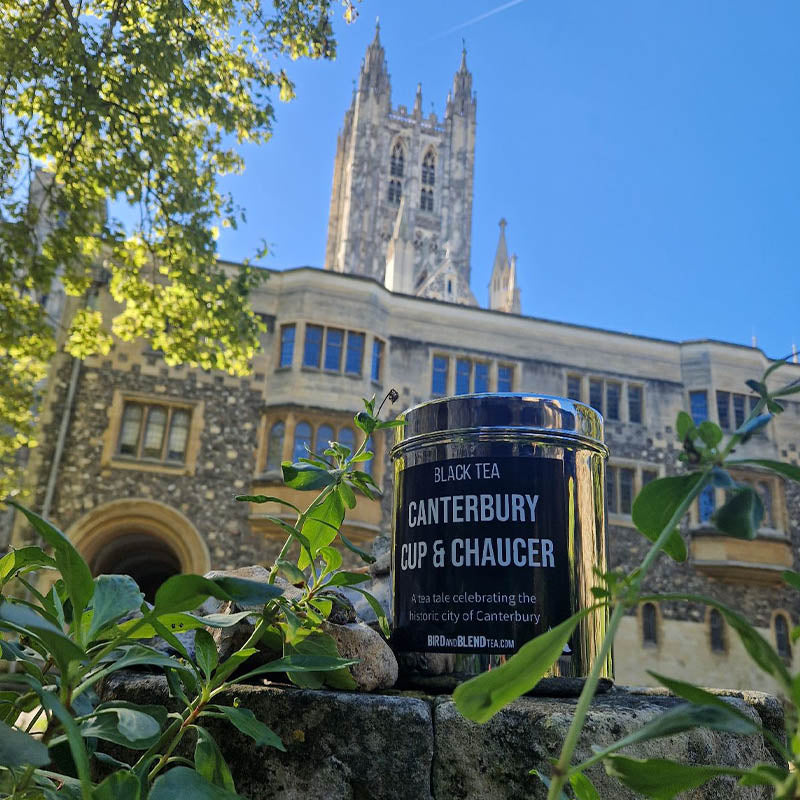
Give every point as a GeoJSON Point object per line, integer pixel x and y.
{"type": "Point", "coordinates": [401, 205]}
{"type": "Point", "coordinates": [504, 293]}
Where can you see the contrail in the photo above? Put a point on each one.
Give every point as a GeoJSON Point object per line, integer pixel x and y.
{"type": "Point", "coordinates": [480, 17]}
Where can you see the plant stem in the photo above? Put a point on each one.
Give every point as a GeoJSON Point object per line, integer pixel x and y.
{"type": "Point", "coordinates": [561, 769]}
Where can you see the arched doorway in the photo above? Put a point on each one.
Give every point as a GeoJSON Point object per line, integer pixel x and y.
{"type": "Point", "coordinates": [148, 540]}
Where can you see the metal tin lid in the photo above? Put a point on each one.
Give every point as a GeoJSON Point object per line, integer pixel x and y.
{"type": "Point", "coordinates": [556, 417]}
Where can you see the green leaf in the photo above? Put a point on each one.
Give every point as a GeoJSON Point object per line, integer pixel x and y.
{"type": "Point", "coordinates": [114, 596]}
{"type": "Point", "coordinates": [183, 782]}
{"type": "Point", "coordinates": [347, 495]}
{"type": "Point", "coordinates": [362, 554]}
{"type": "Point", "coordinates": [77, 746]}
{"type": "Point", "coordinates": [74, 570]}
{"type": "Point", "coordinates": [306, 477]}
{"type": "Point", "coordinates": [265, 498]}
{"type": "Point", "coordinates": [209, 761]}
{"type": "Point", "coordinates": [23, 619]}
{"type": "Point", "coordinates": [660, 779]}
{"type": "Point", "coordinates": [248, 593]}
{"type": "Point", "coordinates": [120, 785]}
{"type": "Point", "coordinates": [377, 608]}
{"type": "Point", "coordinates": [290, 529]}
{"type": "Point", "coordinates": [246, 722]}
{"type": "Point", "coordinates": [322, 526]}
{"type": "Point", "coordinates": [656, 504]}
{"type": "Point", "coordinates": [133, 656]}
{"type": "Point", "coordinates": [365, 421]}
{"type": "Point", "coordinates": [23, 560]}
{"type": "Point", "coordinates": [710, 433]}
{"type": "Point", "coordinates": [290, 572]}
{"type": "Point", "coordinates": [741, 515]}
{"type": "Point", "coordinates": [178, 623]}
{"type": "Point", "coordinates": [185, 593]}
{"type": "Point", "coordinates": [205, 652]}
{"type": "Point", "coordinates": [480, 698]}
{"type": "Point", "coordinates": [347, 579]}
{"type": "Point", "coordinates": [127, 725]}
{"type": "Point", "coordinates": [18, 749]}
{"type": "Point", "coordinates": [583, 787]}
{"type": "Point", "coordinates": [694, 694]}
{"type": "Point", "coordinates": [318, 644]}
{"type": "Point", "coordinates": [301, 663]}
{"type": "Point", "coordinates": [758, 387]}
{"type": "Point", "coordinates": [790, 471]}
{"type": "Point", "coordinates": [684, 425]}
{"type": "Point", "coordinates": [332, 558]}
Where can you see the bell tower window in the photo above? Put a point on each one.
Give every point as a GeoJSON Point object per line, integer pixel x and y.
{"type": "Point", "coordinates": [397, 164]}
{"type": "Point", "coordinates": [395, 192]}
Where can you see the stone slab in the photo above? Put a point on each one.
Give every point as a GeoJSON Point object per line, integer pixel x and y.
{"type": "Point", "coordinates": [410, 746]}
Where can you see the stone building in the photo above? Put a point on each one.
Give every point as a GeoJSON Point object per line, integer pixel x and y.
{"type": "Point", "coordinates": [140, 461]}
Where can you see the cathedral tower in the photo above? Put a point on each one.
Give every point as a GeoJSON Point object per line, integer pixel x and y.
{"type": "Point", "coordinates": [402, 187]}
{"type": "Point", "coordinates": [504, 293]}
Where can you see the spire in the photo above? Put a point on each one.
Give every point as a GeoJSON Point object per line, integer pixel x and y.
{"type": "Point", "coordinates": [399, 273]}
{"type": "Point", "coordinates": [418, 102]}
{"type": "Point", "coordinates": [374, 74]}
{"type": "Point", "coordinates": [501, 256]}
{"type": "Point", "coordinates": [514, 302]}
{"type": "Point", "coordinates": [503, 291]}
{"type": "Point", "coordinates": [461, 95]}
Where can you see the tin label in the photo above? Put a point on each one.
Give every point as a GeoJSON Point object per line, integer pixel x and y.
{"type": "Point", "coordinates": [481, 553]}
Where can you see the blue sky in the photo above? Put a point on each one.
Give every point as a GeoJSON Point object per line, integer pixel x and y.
{"type": "Point", "coordinates": [645, 156]}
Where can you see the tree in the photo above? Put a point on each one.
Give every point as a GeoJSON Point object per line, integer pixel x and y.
{"type": "Point", "coordinates": [141, 101]}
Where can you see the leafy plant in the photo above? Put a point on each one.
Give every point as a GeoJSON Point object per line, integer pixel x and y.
{"type": "Point", "coordinates": [65, 640]}
{"type": "Point", "coordinates": [657, 513]}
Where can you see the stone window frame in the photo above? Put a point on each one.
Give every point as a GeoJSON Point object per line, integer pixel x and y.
{"type": "Point", "coordinates": [650, 643]}
{"type": "Point", "coordinates": [779, 529]}
{"type": "Point", "coordinates": [639, 468]}
{"type": "Point", "coordinates": [112, 458]}
{"type": "Point", "coordinates": [773, 626]}
{"type": "Point", "coordinates": [291, 417]}
{"type": "Point", "coordinates": [299, 353]}
{"type": "Point", "coordinates": [623, 400]}
{"type": "Point", "coordinates": [452, 359]}
{"type": "Point", "coordinates": [724, 650]}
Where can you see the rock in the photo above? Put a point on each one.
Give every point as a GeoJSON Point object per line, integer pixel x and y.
{"type": "Point", "coordinates": [493, 760]}
{"type": "Point", "coordinates": [339, 745]}
{"type": "Point", "coordinates": [378, 666]}
{"type": "Point", "coordinates": [381, 565]}
{"type": "Point", "coordinates": [381, 589]}
{"type": "Point", "coordinates": [426, 663]}
{"type": "Point", "coordinates": [342, 612]}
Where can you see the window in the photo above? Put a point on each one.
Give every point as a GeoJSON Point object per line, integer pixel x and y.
{"type": "Point", "coordinates": [156, 432]}
{"type": "Point", "coordinates": [347, 438]}
{"type": "Point", "coordinates": [275, 446]}
{"type": "Point", "coordinates": [596, 394]}
{"type": "Point", "coordinates": [635, 394]}
{"type": "Point", "coordinates": [377, 359]}
{"type": "Point", "coordinates": [439, 382]}
{"type": "Point", "coordinates": [395, 192]}
{"type": "Point", "coordinates": [397, 161]}
{"type": "Point", "coordinates": [613, 391]}
{"type": "Point", "coordinates": [574, 387]}
{"type": "Point", "coordinates": [764, 490]}
{"type": "Point", "coordinates": [622, 483]}
{"type": "Point", "coordinates": [325, 435]}
{"type": "Point", "coordinates": [706, 504]}
{"type": "Point", "coordinates": [781, 624]}
{"type": "Point", "coordinates": [723, 409]}
{"type": "Point", "coordinates": [716, 629]}
{"type": "Point", "coordinates": [429, 169]}
{"type": "Point", "coordinates": [648, 475]}
{"type": "Point", "coordinates": [463, 375]}
{"type": "Point", "coordinates": [738, 409]}
{"type": "Point", "coordinates": [732, 408]}
{"type": "Point", "coordinates": [334, 341]}
{"type": "Point", "coordinates": [355, 353]}
{"type": "Point", "coordinates": [367, 466]}
{"type": "Point", "coordinates": [426, 199]}
{"type": "Point", "coordinates": [649, 625]}
{"type": "Point", "coordinates": [481, 377]}
{"type": "Point", "coordinates": [302, 440]}
{"type": "Point", "coordinates": [287, 345]}
{"type": "Point", "coordinates": [505, 378]}
{"type": "Point", "coordinates": [313, 347]}
{"type": "Point", "coordinates": [698, 405]}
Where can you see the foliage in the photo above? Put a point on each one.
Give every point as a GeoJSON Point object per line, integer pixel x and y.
{"type": "Point", "coordinates": [657, 513]}
{"type": "Point", "coordinates": [64, 641]}
{"type": "Point", "coordinates": [143, 104]}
